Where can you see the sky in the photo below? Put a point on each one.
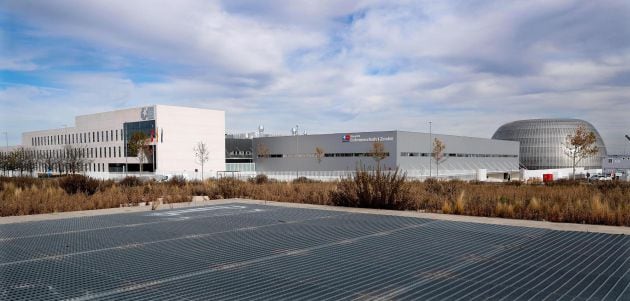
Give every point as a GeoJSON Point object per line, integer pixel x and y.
{"type": "Point", "coordinates": [327, 65]}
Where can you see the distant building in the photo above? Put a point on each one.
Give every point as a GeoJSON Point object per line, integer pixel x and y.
{"type": "Point", "coordinates": [102, 139]}
{"type": "Point", "coordinates": [616, 164]}
{"type": "Point", "coordinates": [542, 142]}
{"type": "Point", "coordinates": [342, 153]}
{"type": "Point", "coordinates": [239, 155]}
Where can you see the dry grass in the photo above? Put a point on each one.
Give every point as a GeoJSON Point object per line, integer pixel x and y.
{"type": "Point", "coordinates": [602, 203]}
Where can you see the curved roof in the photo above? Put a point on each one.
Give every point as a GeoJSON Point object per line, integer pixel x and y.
{"type": "Point", "coordinates": [542, 142]}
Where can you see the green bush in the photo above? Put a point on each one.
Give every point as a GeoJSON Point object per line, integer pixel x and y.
{"type": "Point", "coordinates": [74, 184]}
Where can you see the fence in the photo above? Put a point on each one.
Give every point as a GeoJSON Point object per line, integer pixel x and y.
{"type": "Point", "coordinates": [341, 174]}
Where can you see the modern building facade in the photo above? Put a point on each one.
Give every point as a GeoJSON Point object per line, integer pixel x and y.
{"type": "Point", "coordinates": [238, 154]}
{"type": "Point", "coordinates": [102, 140]}
{"type": "Point", "coordinates": [617, 165]}
{"type": "Point", "coordinates": [338, 153]}
{"type": "Point", "coordinates": [542, 142]}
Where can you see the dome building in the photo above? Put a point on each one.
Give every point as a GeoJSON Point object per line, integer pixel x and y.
{"type": "Point", "coordinates": [542, 142]}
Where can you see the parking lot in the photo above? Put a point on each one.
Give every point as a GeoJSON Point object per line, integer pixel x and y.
{"type": "Point", "coordinates": [246, 251]}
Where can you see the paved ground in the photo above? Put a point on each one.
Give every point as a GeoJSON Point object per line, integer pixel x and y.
{"type": "Point", "coordinates": [251, 251]}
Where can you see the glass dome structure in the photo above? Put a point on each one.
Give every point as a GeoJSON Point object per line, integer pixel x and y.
{"type": "Point", "coordinates": [542, 142]}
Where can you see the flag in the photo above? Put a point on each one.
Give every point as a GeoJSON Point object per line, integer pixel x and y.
{"type": "Point", "coordinates": [156, 136]}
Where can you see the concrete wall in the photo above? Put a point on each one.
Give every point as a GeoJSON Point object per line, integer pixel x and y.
{"type": "Point", "coordinates": [395, 143]}
{"type": "Point", "coordinates": [304, 146]}
{"type": "Point", "coordinates": [181, 129]}
{"type": "Point", "coordinates": [469, 147]}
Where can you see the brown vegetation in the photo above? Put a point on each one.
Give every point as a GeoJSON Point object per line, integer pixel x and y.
{"type": "Point", "coordinates": [569, 201]}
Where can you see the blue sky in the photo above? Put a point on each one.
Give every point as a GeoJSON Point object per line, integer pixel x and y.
{"type": "Point", "coordinates": [329, 66]}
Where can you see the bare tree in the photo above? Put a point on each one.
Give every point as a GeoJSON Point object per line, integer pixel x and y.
{"type": "Point", "coordinates": [378, 153]}
{"type": "Point", "coordinates": [48, 162]}
{"type": "Point", "coordinates": [201, 155]}
{"type": "Point", "coordinates": [73, 159]}
{"type": "Point", "coordinates": [139, 145]}
{"type": "Point", "coordinates": [262, 150]}
{"type": "Point", "coordinates": [438, 154]}
{"type": "Point", "coordinates": [4, 162]}
{"type": "Point", "coordinates": [580, 145]}
{"type": "Point", "coordinates": [319, 154]}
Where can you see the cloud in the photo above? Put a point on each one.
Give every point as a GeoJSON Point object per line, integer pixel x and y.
{"type": "Point", "coordinates": [328, 65]}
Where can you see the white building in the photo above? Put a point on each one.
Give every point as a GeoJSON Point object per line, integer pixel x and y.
{"type": "Point", "coordinates": [101, 139]}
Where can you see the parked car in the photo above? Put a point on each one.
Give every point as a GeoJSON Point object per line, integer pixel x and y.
{"type": "Point", "coordinates": [600, 178]}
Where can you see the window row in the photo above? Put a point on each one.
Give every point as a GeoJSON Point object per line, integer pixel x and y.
{"type": "Point", "coordinates": [75, 138]}
{"type": "Point", "coordinates": [311, 155]}
{"type": "Point", "coordinates": [87, 152]}
{"type": "Point", "coordinates": [411, 154]}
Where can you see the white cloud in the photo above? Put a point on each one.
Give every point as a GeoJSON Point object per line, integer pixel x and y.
{"type": "Point", "coordinates": [343, 65]}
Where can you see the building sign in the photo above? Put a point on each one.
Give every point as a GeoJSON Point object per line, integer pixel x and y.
{"type": "Point", "coordinates": [147, 113]}
{"type": "Point", "coordinates": [358, 138]}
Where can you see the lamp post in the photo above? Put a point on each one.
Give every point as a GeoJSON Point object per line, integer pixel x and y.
{"type": "Point", "coordinates": [296, 132]}
{"type": "Point", "coordinates": [430, 148]}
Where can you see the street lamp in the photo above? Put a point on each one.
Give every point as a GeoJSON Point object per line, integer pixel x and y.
{"type": "Point", "coordinates": [296, 133]}
{"type": "Point", "coordinates": [430, 148]}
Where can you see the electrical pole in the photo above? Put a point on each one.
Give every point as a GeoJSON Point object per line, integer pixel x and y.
{"type": "Point", "coordinates": [297, 151]}
{"type": "Point", "coordinates": [430, 148]}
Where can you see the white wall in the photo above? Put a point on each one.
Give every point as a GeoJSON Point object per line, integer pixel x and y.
{"type": "Point", "coordinates": [559, 173]}
{"type": "Point", "coordinates": [180, 129]}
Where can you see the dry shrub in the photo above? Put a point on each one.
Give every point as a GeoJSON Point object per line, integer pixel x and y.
{"type": "Point", "coordinates": [130, 181]}
{"type": "Point", "coordinates": [260, 179]}
{"type": "Point", "coordinates": [178, 181]}
{"type": "Point", "coordinates": [74, 184]}
{"type": "Point", "coordinates": [605, 202]}
{"type": "Point", "coordinates": [227, 188]}
{"type": "Point", "coordinates": [373, 189]}
{"type": "Point", "coordinates": [460, 204]}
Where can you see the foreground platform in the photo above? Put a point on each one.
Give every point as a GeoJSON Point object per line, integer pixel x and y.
{"type": "Point", "coordinates": [249, 251]}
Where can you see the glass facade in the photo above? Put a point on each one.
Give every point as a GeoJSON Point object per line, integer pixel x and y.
{"type": "Point", "coordinates": [542, 142]}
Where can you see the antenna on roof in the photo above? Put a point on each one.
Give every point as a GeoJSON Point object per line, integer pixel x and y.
{"type": "Point", "coordinates": [261, 129]}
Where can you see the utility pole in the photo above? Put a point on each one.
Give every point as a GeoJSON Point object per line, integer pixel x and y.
{"type": "Point", "coordinates": [430, 148]}
{"type": "Point", "coordinates": [296, 132]}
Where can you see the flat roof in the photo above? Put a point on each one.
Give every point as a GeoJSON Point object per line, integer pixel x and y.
{"type": "Point", "coordinates": [251, 251]}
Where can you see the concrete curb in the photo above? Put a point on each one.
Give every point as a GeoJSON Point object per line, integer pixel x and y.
{"type": "Point", "coordinates": [203, 201]}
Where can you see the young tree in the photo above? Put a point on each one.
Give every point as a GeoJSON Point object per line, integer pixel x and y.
{"type": "Point", "coordinates": [580, 145]}
{"type": "Point", "coordinates": [139, 145]}
{"type": "Point", "coordinates": [378, 153]}
{"type": "Point", "coordinates": [201, 155]}
{"type": "Point", "coordinates": [73, 159]}
{"type": "Point", "coordinates": [319, 154]}
{"type": "Point", "coordinates": [48, 162]}
{"type": "Point", "coordinates": [262, 150]}
{"type": "Point", "coordinates": [438, 154]}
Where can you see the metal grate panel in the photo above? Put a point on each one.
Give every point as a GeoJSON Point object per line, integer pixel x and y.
{"type": "Point", "coordinates": [242, 251]}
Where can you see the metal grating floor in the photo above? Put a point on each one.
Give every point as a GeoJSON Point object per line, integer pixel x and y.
{"type": "Point", "coordinates": [242, 251]}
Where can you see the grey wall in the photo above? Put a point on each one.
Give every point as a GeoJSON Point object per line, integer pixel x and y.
{"type": "Point", "coordinates": [422, 143]}
{"type": "Point", "coordinates": [331, 143]}
{"type": "Point", "coordinates": [402, 142]}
